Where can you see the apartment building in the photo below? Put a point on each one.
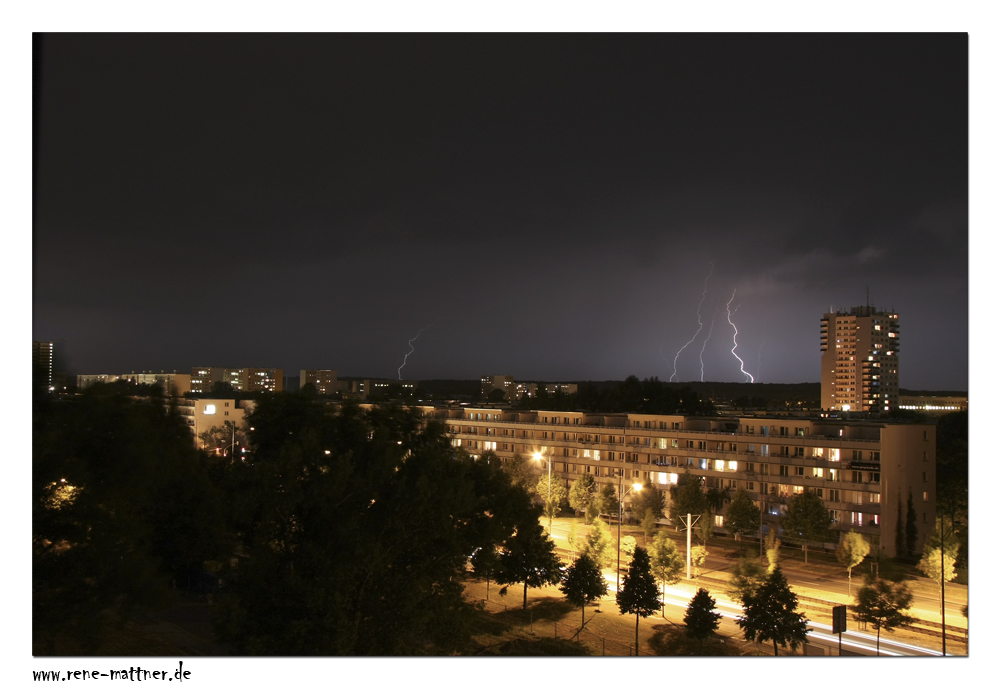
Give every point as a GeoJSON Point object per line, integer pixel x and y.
{"type": "Point", "coordinates": [174, 384]}
{"type": "Point", "coordinates": [240, 379]}
{"type": "Point", "coordinates": [41, 357]}
{"type": "Point", "coordinates": [325, 381]}
{"type": "Point", "coordinates": [861, 469]}
{"type": "Point", "coordinates": [368, 387]}
{"type": "Point", "coordinates": [515, 390]}
{"type": "Point", "coordinates": [488, 383]}
{"type": "Point", "coordinates": [203, 414]}
{"type": "Point", "coordinates": [860, 360]}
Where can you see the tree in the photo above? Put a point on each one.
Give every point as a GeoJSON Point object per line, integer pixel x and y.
{"type": "Point", "coordinates": [747, 576]}
{"type": "Point", "coordinates": [529, 557]}
{"type": "Point", "coordinates": [938, 562]}
{"type": "Point", "coordinates": [628, 548]}
{"type": "Point", "coordinates": [687, 498]}
{"type": "Point", "coordinates": [648, 499]}
{"type": "Point", "coordinates": [486, 563]}
{"type": "Point", "coordinates": [911, 527]}
{"type": "Point", "coordinates": [698, 556]}
{"type": "Point", "coordinates": [704, 528]}
{"type": "Point", "coordinates": [806, 518]}
{"type": "Point", "coordinates": [772, 548]}
{"type": "Point", "coordinates": [582, 493]}
{"type": "Point", "coordinates": [123, 505]}
{"type": "Point", "coordinates": [221, 439]}
{"type": "Point", "coordinates": [584, 583]}
{"type": "Point", "coordinates": [666, 562]}
{"type": "Point", "coordinates": [716, 498]}
{"type": "Point", "coordinates": [851, 551]}
{"type": "Point", "coordinates": [358, 528]}
{"type": "Point", "coordinates": [638, 594]}
{"type": "Point", "coordinates": [648, 525]}
{"type": "Point", "coordinates": [607, 501]}
{"type": "Point", "coordinates": [701, 618]}
{"type": "Point", "coordinates": [882, 603]}
{"type": "Point", "coordinates": [520, 472]}
{"type": "Point", "coordinates": [742, 516]}
{"type": "Point", "coordinates": [598, 544]}
{"type": "Point", "coordinates": [552, 497]}
{"type": "Point", "coordinates": [769, 614]}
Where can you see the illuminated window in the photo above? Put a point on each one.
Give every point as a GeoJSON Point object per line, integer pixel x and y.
{"type": "Point", "coordinates": [209, 409]}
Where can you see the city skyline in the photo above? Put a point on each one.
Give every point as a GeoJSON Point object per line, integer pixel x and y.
{"type": "Point", "coordinates": [558, 207]}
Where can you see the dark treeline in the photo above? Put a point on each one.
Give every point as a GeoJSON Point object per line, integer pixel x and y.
{"type": "Point", "coordinates": [340, 534]}
{"type": "Point", "coordinates": [629, 396]}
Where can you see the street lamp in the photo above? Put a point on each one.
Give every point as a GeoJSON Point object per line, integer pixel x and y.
{"type": "Point", "coordinates": [621, 497]}
{"type": "Point", "coordinates": [548, 502]}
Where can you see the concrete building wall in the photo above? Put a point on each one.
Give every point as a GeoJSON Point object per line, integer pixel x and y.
{"type": "Point", "coordinates": [771, 458]}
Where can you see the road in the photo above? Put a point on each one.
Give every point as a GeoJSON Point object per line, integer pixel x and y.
{"type": "Point", "coordinates": [817, 582]}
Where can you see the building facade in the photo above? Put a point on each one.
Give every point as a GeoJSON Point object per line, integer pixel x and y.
{"type": "Point", "coordinates": [325, 381]}
{"type": "Point", "coordinates": [863, 471]}
{"type": "Point", "coordinates": [204, 414]}
{"type": "Point", "coordinates": [240, 379]}
{"type": "Point", "coordinates": [488, 383]}
{"type": "Point", "coordinates": [41, 357]}
{"type": "Point", "coordinates": [860, 360]}
{"type": "Point", "coordinates": [174, 384]}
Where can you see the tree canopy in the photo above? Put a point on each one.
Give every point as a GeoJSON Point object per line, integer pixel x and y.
{"type": "Point", "coordinates": [807, 519]}
{"type": "Point", "coordinates": [648, 499]}
{"type": "Point", "coordinates": [701, 619]}
{"type": "Point", "coordinates": [687, 497]}
{"type": "Point", "coordinates": [665, 562]}
{"type": "Point", "coordinates": [638, 594]}
{"type": "Point", "coordinates": [769, 614]}
{"type": "Point", "coordinates": [742, 516]}
{"type": "Point", "coordinates": [123, 507]}
{"type": "Point", "coordinates": [357, 528]}
{"type": "Point", "coordinates": [851, 551]}
{"type": "Point", "coordinates": [582, 493]}
{"type": "Point", "coordinates": [882, 604]}
{"type": "Point", "coordinates": [583, 583]}
{"type": "Point", "coordinates": [528, 556]}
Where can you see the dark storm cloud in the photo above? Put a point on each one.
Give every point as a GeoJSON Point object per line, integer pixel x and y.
{"type": "Point", "coordinates": [558, 196]}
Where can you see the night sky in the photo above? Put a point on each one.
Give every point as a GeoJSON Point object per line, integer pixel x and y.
{"type": "Point", "coordinates": [553, 206]}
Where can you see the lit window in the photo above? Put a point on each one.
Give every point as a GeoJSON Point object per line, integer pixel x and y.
{"type": "Point", "coordinates": [209, 409]}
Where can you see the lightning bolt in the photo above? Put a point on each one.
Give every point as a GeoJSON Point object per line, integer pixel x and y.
{"type": "Point", "coordinates": [700, 324]}
{"type": "Point", "coordinates": [399, 371]}
{"type": "Point", "coordinates": [701, 354]}
{"type": "Point", "coordinates": [729, 316]}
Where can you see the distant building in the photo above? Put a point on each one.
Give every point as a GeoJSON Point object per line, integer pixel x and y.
{"type": "Point", "coordinates": [173, 384]}
{"type": "Point", "coordinates": [201, 415]}
{"type": "Point", "coordinates": [240, 379]}
{"type": "Point", "coordinates": [368, 387]}
{"type": "Point", "coordinates": [934, 404]}
{"type": "Point", "coordinates": [563, 388]}
{"type": "Point", "coordinates": [860, 360]}
{"type": "Point", "coordinates": [488, 383]}
{"type": "Point", "coordinates": [325, 381]}
{"type": "Point", "coordinates": [515, 390]}
{"type": "Point", "coordinates": [41, 357]}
